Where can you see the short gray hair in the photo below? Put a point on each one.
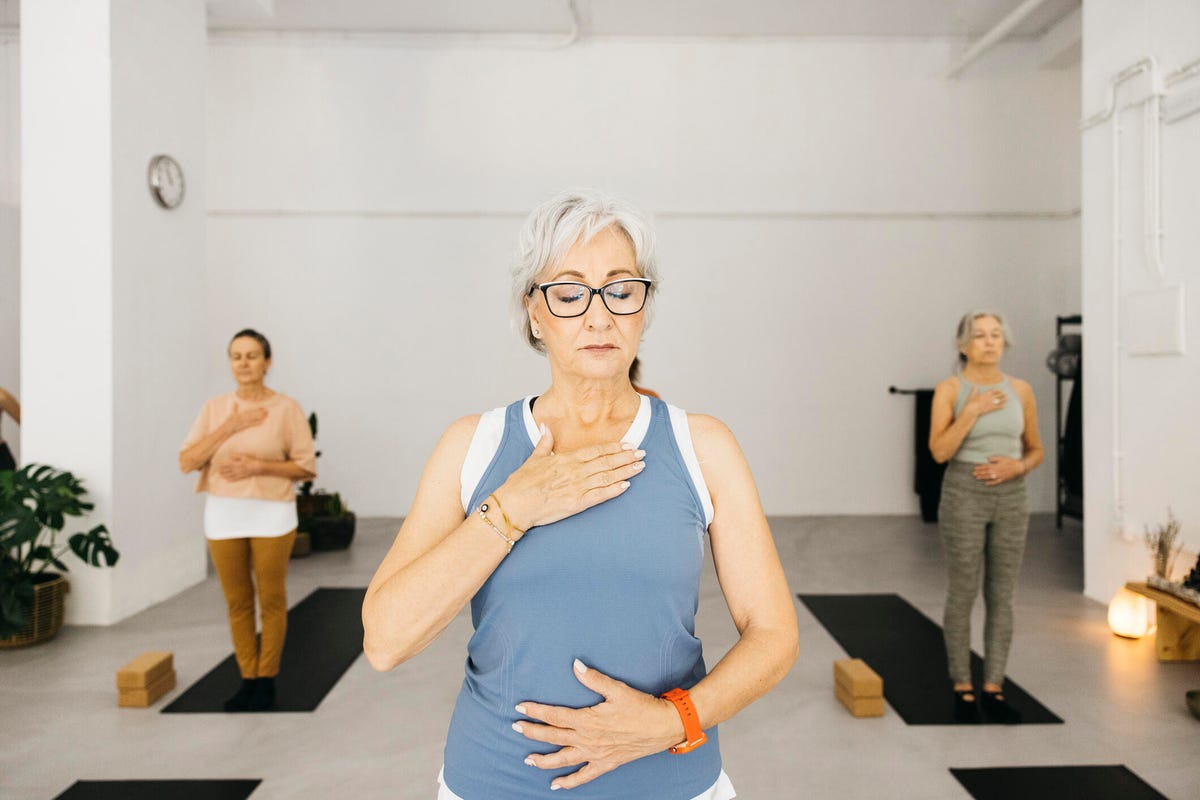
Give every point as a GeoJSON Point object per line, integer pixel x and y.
{"type": "Point", "coordinates": [556, 225]}
{"type": "Point", "coordinates": [966, 327]}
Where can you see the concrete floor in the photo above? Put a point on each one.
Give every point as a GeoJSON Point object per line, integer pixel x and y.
{"type": "Point", "coordinates": [381, 735]}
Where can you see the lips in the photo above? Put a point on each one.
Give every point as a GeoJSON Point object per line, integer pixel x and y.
{"type": "Point", "coordinates": [600, 347]}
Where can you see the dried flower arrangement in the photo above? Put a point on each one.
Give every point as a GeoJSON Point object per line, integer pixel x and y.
{"type": "Point", "coordinates": [1163, 547]}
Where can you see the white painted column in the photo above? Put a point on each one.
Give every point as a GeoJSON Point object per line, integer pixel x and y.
{"type": "Point", "coordinates": [111, 372]}
{"type": "Point", "coordinates": [1140, 429]}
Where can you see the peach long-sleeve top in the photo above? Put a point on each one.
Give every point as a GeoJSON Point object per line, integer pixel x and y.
{"type": "Point", "coordinates": [283, 436]}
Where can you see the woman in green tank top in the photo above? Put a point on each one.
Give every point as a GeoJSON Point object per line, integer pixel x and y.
{"type": "Point", "coordinates": [985, 424]}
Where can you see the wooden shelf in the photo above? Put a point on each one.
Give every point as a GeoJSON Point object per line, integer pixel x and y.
{"type": "Point", "coordinates": [1178, 637]}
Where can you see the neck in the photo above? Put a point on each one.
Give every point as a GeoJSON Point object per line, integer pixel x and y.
{"type": "Point", "coordinates": [253, 391]}
{"type": "Point", "coordinates": [985, 374]}
{"type": "Point", "coordinates": [589, 402]}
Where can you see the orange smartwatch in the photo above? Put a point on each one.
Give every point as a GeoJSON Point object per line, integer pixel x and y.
{"type": "Point", "coordinates": [693, 734]}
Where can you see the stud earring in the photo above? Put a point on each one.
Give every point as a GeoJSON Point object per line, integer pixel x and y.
{"type": "Point", "coordinates": [536, 332]}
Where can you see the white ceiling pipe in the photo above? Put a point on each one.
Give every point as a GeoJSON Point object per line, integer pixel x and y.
{"type": "Point", "coordinates": [989, 39]}
{"type": "Point", "coordinates": [1183, 73]}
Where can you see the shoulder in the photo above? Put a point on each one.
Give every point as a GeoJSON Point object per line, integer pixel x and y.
{"type": "Point", "coordinates": [947, 391]}
{"type": "Point", "coordinates": [711, 437]}
{"type": "Point", "coordinates": [286, 401]}
{"type": "Point", "coordinates": [462, 429]}
{"type": "Point", "coordinates": [218, 402]}
{"type": "Point", "coordinates": [1022, 388]}
{"type": "Point", "coordinates": [949, 385]}
{"type": "Point", "coordinates": [451, 449]}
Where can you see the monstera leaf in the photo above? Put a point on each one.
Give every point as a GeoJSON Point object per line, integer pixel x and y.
{"type": "Point", "coordinates": [94, 547]}
{"type": "Point", "coordinates": [35, 502]}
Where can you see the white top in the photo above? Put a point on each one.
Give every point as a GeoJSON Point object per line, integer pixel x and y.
{"type": "Point", "coordinates": [721, 790]}
{"type": "Point", "coordinates": [247, 517]}
{"type": "Point", "coordinates": [490, 431]}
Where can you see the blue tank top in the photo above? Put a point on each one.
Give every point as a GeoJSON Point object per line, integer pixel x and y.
{"type": "Point", "coordinates": [616, 586]}
{"type": "Point", "coordinates": [997, 433]}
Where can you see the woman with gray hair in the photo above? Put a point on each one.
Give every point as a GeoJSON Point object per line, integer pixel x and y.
{"type": "Point", "coordinates": [572, 523]}
{"type": "Point", "coordinates": [985, 424]}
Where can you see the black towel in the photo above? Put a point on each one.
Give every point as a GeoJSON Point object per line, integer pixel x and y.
{"type": "Point", "coordinates": [927, 480]}
{"type": "Point", "coordinates": [1072, 468]}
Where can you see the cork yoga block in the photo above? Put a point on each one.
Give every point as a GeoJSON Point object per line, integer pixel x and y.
{"type": "Point", "coordinates": [858, 687]}
{"type": "Point", "coordinates": [144, 697]}
{"type": "Point", "coordinates": [859, 706]}
{"type": "Point", "coordinates": [145, 670]}
{"type": "Point", "coordinates": [857, 678]}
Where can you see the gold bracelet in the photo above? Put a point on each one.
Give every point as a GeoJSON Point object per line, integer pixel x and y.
{"type": "Point", "coordinates": [483, 509]}
{"type": "Point", "coordinates": [507, 521]}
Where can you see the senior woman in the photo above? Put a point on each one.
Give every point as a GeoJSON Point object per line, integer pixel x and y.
{"type": "Point", "coordinates": [573, 524]}
{"type": "Point", "coordinates": [985, 424]}
{"type": "Point", "coordinates": [251, 446]}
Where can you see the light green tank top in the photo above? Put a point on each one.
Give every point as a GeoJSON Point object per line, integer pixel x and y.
{"type": "Point", "coordinates": [997, 433]}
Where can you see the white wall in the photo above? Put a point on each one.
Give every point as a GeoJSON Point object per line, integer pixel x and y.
{"type": "Point", "coordinates": [66, 261]}
{"type": "Point", "coordinates": [826, 210]}
{"type": "Point", "coordinates": [112, 314]}
{"type": "Point", "coordinates": [1154, 398]}
{"type": "Point", "coordinates": [158, 72]}
{"type": "Point", "coordinates": [10, 227]}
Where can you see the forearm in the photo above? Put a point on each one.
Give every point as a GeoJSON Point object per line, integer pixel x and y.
{"type": "Point", "coordinates": [199, 454]}
{"type": "Point", "coordinates": [283, 469]}
{"type": "Point", "coordinates": [944, 446]}
{"type": "Point", "coordinates": [1032, 459]}
{"type": "Point", "coordinates": [411, 607]}
{"type": "Point", "coordinates": [751, 668]}
{"type": "Point", "coordinates": [10, 406]}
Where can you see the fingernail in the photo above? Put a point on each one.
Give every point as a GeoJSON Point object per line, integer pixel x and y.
{"type": "Point", "coordinates": [624, 484]}
{"type": "Point", "coordinates": [626, 446]}
{"type": "Point", "coordinates": [640, 454]}
{"type": "Point", "coordinates": [517, 727]}
{"type": "Point", "coordinates": [639, 464]}
{"type": "Point", "coordinates": [520, 709]}
{"type": "Point", "coordinates": [579, 667]}
{"type": "Point", "coordinates": [529, 761]}
{"type": "Point", "coordinates": [554, 787]}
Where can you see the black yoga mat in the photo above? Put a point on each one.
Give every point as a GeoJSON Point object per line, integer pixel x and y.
{"type": "Point", "coordinates": [1114, 782]}
{"type": "Point", "coordinates": [158, 790]}
{"type": "Point", "coordinates": [324, 636]}
{"type": "Point", "coordinates": [906, 648]}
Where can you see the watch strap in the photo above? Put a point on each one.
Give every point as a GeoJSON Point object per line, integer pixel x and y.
{"type": "Point", "coordinates": [693, 734]}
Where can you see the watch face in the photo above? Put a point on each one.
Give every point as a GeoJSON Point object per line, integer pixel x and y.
{"type": "Point", "coordinates": [166, 181]}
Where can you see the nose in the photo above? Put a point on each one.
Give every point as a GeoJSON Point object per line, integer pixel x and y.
{"type": "Point", "coordinates": [597, 316]}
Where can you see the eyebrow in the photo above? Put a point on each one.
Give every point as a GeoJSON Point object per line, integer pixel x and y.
{"type": "Point", "coordinates": [579, 274]}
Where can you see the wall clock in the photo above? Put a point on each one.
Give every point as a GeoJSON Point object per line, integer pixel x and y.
{"type": "Point", "coordinates": [166, 181]}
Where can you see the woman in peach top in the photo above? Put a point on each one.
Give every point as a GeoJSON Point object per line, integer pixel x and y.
{"type": "Point", "coordinates": [251, 446]}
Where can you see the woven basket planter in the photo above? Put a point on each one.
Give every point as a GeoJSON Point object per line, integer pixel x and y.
{"type": "Point", "coordinates": [46, 616]}
{"type": "Point", "coordinates": [332, 533]}
{"type": "Point", "coordinates": [303, 545]}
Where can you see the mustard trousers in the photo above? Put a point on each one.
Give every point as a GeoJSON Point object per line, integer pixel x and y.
{"type": "Point", "coordinates": [267, 558]}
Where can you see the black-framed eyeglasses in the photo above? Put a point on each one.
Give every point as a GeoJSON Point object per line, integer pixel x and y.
{"type": "Point", "coordinates": [572, 299]}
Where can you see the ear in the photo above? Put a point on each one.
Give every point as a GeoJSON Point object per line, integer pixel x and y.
{"type": "Point", "coordinates": [531, 308]}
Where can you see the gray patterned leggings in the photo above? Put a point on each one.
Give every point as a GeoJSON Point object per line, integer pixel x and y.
{"type": "Point", "coordinates": [983, 529]}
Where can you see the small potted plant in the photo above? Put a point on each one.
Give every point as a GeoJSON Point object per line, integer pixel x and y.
{"type": "Point", "coordinates": [34, 504]}
{"type": "Point", "coordinates": [1164, 547]}
{"type": "Point", "coordinates": [323, 517]}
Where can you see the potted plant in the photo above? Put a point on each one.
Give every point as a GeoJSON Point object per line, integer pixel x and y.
{"type": "Point", "coordinates": [34, 504]}
{"type": "Point", "coordinates": [1163, 544]}
{"type": "Point", "coordinates": [323, 517]}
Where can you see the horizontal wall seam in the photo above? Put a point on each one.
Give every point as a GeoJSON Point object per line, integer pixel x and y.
{"type": "Point", "coordinates": [1000, 216]}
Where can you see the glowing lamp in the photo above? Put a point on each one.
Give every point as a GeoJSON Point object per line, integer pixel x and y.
{"type": "Point", "coordinates": [1129, 614]}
